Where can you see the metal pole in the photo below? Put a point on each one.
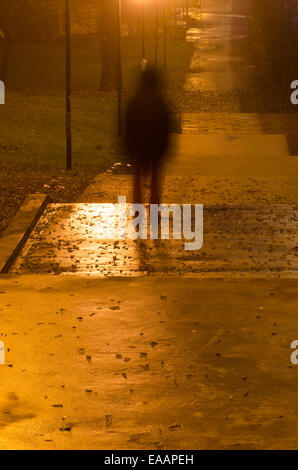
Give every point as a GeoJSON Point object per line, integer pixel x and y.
{"type": "Point", "coordinates": [156, 32]}
{"type": "Point", "coordinates": [143, 30]}
{"type": "Point", "coordinates": [119, 67]}
{"type": "Point", "coordinates": [164, 35]}
{"type": "Point", "coordinates": [187, 12]}
{"type": "Point", "coordinates": [175, 21]}
{"type": "Point", "coordinates": [68, 84]}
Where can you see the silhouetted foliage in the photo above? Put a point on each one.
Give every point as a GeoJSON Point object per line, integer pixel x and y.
{"type": "Point", "coordinates": [273, 34]}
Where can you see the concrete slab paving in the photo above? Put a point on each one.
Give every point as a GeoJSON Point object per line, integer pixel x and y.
{"type": "Point", "coordinates": [258, 156]}
{"type": "Point", "coordinates": [238, 241]}
{"type": "Point", "coordinates": [241, 147]}
{"type": "Point", "coordinates": [239, 123]}
{"type": "Point", "coordinates": [147, 363]}
{"type": "Point", "coordinates": [202, 189]}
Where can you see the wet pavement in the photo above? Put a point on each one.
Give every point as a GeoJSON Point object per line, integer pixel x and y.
{"type": "Point", "coordinates": [221, 76]}
{"type": "Point", "coordinates": [239, 124]}
{"type": "Point", "coordinates": [147, 363]}
{"type": "Point", "coordinates": [221, 87]}
{"type": "Point", "coordinates": [216, 64]}
{"type": "Point", "coordinates": [238, 242]}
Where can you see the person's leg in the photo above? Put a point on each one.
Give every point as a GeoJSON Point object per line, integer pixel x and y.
{"type": "Point", "coordinates": [155, 183]}
{"type": "Point", "coordinates": [137, 186]}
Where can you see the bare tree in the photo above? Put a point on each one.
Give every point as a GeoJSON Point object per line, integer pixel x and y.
{"type": "Point", "coordinates": [272, 37]}
{"type": "Point", "coordinates": [10, 13]}
{"type": "Point", "coordinates": [108, 44]}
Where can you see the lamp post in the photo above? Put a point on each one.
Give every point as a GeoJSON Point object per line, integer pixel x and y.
{"type": "Point", "coordinates": [175, 21]}
{"type": "Point", "coordinates": [143, 30]}
{"type": "Point", "coordinates": [119, 67]}
{"type": "Point", "coordinates": [68, 85]}
{"type": "Point", "coordinates": [156, 31]}
{"type": "Point", "coordinates": [187, 11]}
{"type": "Point", "coordinates": [164, 35]}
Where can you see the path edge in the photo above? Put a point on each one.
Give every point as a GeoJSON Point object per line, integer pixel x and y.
{"type": "Point", "coordinates": [20, 228]}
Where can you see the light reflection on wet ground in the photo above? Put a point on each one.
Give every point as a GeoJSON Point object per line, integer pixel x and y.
{"type": "Point", "coordinates": [216, 54]}
{"type": "Point", "coordinates": [222, 15]}
{"type": "Point", "coordinates": [222, 72]}
{"type": "Point", "coordinates": [238, 242]}
{"type": "Point", "coordinates": [217, 65]}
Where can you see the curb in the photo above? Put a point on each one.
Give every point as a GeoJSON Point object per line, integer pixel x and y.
{"type": "Point", "coordinates": [19, 230]}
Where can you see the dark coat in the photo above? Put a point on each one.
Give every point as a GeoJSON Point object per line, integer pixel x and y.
{"type": "Point", "coordinates": [146, 127]}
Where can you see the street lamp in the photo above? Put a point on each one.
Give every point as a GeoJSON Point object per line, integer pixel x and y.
{"type": "Point", "coordinates": [68, 84]}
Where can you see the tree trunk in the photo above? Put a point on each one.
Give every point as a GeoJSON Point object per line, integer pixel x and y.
{"type": "Point", "coordinates": [108, 44]}
{"type": "Point", "coordinates": [5, 59]}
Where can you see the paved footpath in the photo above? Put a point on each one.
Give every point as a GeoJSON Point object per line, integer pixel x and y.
{"type": "Point", "coordinates": [142, 346]}
{"type": "Point", "coordinates": [250, 216]}
{"type": "Point", "coordinates": [239, 241]}
{"type": "Point", "coordinates": [147, 363]}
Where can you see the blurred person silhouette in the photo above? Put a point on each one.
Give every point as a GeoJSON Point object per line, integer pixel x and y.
{"type": "Point", "coordinates": [146, 137]}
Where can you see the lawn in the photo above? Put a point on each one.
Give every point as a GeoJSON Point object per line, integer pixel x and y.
{"type": "Point", "coordinates": [32, 121]}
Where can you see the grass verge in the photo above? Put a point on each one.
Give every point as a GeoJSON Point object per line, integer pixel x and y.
{"type": "Point", "coordinates": [32, 122]}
